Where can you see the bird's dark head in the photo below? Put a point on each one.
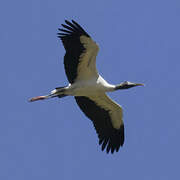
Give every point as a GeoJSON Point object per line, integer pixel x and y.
{"type": "Point", "coordinates": [127, 85]}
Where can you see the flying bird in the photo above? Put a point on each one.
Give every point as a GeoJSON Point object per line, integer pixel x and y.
{"type": "Point", "coordinates": [89, 88]}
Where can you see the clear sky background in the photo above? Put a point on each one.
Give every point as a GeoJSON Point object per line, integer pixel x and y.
{"type": "Point", "coordinates": [139, 41]}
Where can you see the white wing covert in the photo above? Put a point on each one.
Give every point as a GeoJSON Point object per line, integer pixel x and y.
{"type": "Point", "coordinates": [81, 51]}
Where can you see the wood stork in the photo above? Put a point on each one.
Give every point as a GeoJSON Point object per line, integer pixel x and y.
{"type": "Point", "coordinates": [89, 88]}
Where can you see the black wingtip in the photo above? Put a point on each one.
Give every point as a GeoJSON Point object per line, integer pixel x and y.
{"type": "Point", "coordinates": [72, 28]}
{"type": "Point", "coordinates": [114, 142]}
{"type": "Point", "coordinates": [73, 21]}
{"type": "Point", "coordinates": [66, 21]}
{"type": "Point", "coordinates": [121, 132]}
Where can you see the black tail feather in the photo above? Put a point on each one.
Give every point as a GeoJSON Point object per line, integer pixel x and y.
{"type": "Point", "coordinates": [62, 95]}
{"type": "Point", "coordinates": [61, 89]}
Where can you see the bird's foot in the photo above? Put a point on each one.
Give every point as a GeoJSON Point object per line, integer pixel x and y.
{"type": "Point", "coordinates": [37, 98]}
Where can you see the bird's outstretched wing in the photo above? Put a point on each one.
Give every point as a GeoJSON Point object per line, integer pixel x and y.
{"type": "Point", "coordinates": [81, 51]}
{"type": "Point", "coordinates": [106, 116]}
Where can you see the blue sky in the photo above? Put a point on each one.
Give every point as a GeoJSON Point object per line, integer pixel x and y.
{"type": "Point", "coordinates": [139, 41]}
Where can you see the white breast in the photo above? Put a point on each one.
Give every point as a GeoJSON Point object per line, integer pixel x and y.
{"type": "Point", "coordinates": [91, 87]}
